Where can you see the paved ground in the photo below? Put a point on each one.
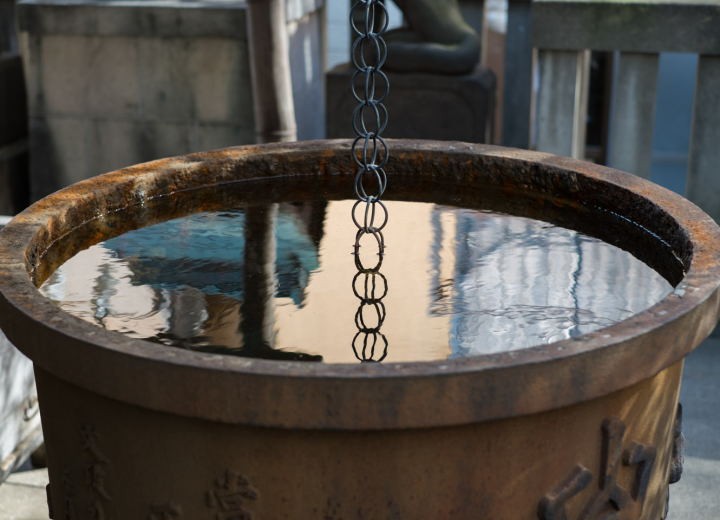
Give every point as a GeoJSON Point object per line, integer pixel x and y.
{"type": "Point", "coordinates": [695, 497]}
{"type": "Point", "coordinates": [22, 496]}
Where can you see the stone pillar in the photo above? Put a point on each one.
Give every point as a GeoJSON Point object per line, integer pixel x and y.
{"type": "Point", "coordinates": [421, 106]}
{"type": "Point", "coordinates": [270, 72]}
{"type": "Point", "coordinates": [428, 100]}
{"type": "Point", "coordinates": [13, 118]}
{"type": "Point", "coordinates": [117, 83]}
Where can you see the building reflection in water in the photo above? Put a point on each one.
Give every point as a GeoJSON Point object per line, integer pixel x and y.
{"type": "Point", "coordinates": [273, 281]}
{"type": "Point", "coordinates": [512, 282]}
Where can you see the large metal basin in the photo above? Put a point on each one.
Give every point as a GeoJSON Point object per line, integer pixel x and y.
{"type": "Point", "coordinates": [575, 429]}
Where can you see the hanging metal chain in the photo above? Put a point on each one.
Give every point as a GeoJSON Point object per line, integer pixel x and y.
{"type": "Point", "coordinates": [368, 55]}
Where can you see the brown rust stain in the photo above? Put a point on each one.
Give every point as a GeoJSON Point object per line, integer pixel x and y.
{"type": "Point", "coordinates": [532, 178]}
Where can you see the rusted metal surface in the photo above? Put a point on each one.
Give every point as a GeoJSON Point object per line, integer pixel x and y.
{"type": "Point", "coordinates": [495, 436]}
{"type": "Point", "coordinates": [172, 467]}
{"type": "Point", "coordinates": [678, 450]}
{"type": "Point", "coordinates": [574, 194]}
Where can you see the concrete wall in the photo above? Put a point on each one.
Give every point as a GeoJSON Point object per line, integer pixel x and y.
{"type": "Point", "coordinates": [119, 83]}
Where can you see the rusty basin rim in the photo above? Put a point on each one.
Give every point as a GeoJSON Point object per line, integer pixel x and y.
{"type": "Point", "coordinates": [356, 397]}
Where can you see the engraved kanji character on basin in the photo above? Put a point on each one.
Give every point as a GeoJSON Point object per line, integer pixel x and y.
{"type": "Point", "coordinates": [230, 495]}
{"type": "Point", "coordinates": [95, 478]}
{"type": "Point", "coordinates": [90, 438]}
{"type": "Point", "coordinates": [167, 511]}
{"type": "Point", "coordinates": [610, 500]}
{"type": "Point", "coordinates": [69, 490]}
{"type": "Point", "coordinates": [97, 511]}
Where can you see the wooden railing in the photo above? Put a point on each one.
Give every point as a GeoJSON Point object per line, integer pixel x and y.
{"type": "Point", "coordinates": [554, 38]}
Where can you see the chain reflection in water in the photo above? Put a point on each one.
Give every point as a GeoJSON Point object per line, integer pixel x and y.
{"type": "Point", "coordinates": [374, 289]}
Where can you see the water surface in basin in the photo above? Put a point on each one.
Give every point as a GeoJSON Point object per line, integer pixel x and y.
{"type": "Point", "coordinates": [276, 281]}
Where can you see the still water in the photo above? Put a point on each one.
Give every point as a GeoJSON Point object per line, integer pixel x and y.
{"type": "Point", "coordinates": [276, 282]}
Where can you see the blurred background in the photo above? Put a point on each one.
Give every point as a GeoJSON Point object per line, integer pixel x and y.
{"type": "Point", "coordinates": [91, 86]}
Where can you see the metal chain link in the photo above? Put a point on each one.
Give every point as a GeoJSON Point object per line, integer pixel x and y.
{"type": "Point", "coordinates": [371, 163]}
{"type": "Point", "coordinates": [374, 147]}
{"type": "Point", "coordinates": [371, 297]}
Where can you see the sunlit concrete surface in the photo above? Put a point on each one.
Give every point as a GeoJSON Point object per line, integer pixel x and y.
{"type": "Point", "coordinates": [695, 497]}
{"type": "Point", "coordinates": [22, 496]}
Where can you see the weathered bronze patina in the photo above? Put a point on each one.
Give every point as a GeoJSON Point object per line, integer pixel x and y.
{"type": "Point", "coordinates": [574, 429]}
{"type": "Point", "coordinates": [435, 39]}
